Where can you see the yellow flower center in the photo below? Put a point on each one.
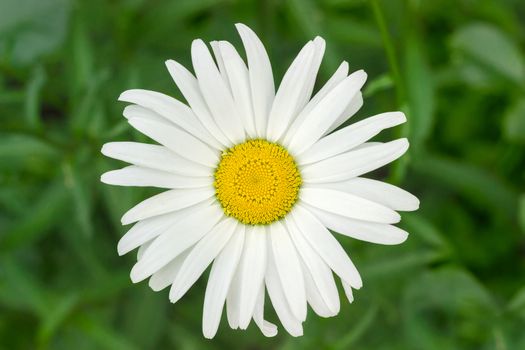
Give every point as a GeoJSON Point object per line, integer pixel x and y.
{"type": "Point", "coordinates": [257, 182]}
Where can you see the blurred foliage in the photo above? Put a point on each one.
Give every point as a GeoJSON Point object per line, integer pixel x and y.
{"type": "Point", "coordinates": [456, 67]}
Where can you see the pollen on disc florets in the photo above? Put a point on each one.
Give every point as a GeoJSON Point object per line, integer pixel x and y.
{"type": "Point", "coordinates": [257, 182]}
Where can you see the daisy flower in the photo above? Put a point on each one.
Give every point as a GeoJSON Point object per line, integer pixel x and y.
{"type": "Point", "coordinates": [256, 181]}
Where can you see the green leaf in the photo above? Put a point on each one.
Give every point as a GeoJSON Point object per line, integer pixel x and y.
{"type": "Point", "coordinates": [420, 92]}
{"type": "Point", "coordinates": [77, 180]}
{"type": "Point", "coordinates": [52, 320]}
{"type": "Point", "coordinates": [19, 150]}
{"type": "Point", "coordinates": [46, 211]}
{"type": "Point", "coordinates": [19, 288]}
{"type": "Point", "coordinates": [423, 228]}
{"type": "Point", "coordinates": [447, 308]}
{"type": "Point", "coordinates": [31, 28]}
{"type": "Point", "coordinates": [514, 122]}
{"type": "Point", "coordinates": [32, 103]}
{"type": "Point", "coordinates": [521, 212]}
{"type": "Point", "coordinates": [105, 337]}
{"type": "Point", "coordinates": [492, 49]}
{"type": "Point", "coordinates": [476, 183]}
{"type": "Point", "coordinates": [382, 82]}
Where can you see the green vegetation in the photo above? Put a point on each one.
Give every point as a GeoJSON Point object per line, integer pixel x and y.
{"type": "Point", "coordinates": [456, 67]}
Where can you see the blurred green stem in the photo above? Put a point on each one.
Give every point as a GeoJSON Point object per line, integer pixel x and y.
{"type": "Point", "coordinates": [390, 51]}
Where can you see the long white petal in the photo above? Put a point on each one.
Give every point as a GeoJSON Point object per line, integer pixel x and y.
{"type": "Point", "coordinates": [175, 240]}
{"type": "Point", "coordinates": [251, 272]}
{"type": "Point", "coordinates": [201, 256]}
{"type": "Point", "coordinates": [189, 88]}
{"type": "Point", "coordinates": [345, 139]}
{"type": "Point", "coordinates": [145, 230]}
{"type": "Point", "coordinates": [290, 95]}
{"type": "Point", "coordinates": [355, 104]}
{"type": "Point", "coordinates": [178, 141]}
{"type": "Point", "coordinates": [169, 108]}
{"type": "Point", "coordinates": [376, 191]}
{"type": "Point", "coordinates": [134, 175]}
{"type": "Point", "coordinates": [326, 246]}
{"type": "Point", "coordinates": [348, 205]}
{"type": "Point", "coordinates": [166, 275]}
{"type": "Point", "coordinates": [136, 111]}
{"type": "Point", "coordinates": [165, 202]}
{"type": "Point", "coordinates": [316, 269]}
{"type": "Point", "coordinates": [154, 157]}
{"type": "Point", "coordinates": [215, 46]}
{"type": "Point", "coordinates": [278, 299]}
{"type": "Point", "coordinates": [313, 295]}
{"type": "Point", "coordinates": [238, 77]}
{"type": "Point", "coordinates": [261, 77]}
{"type": "Point", "coordinates": [365, 231]}
{"type": "Point", "coordinates": [216, 93]}
{"type": "Point", "coordinates": [142, 249]}
{"type": "Point", "coordinates": [221, 275]}
{"type": "Point", "coordinates": [289, 269]}
{"type": "Point", "coordinates": [354, 163]}
{"type": "Point", "coordinates": [348, 291]}
{"type": "Point", "coordinates": [339, 75]}
{"type": "Point", "coordinates": [268, 329]}
{"type": "Point", "coordinates": [327, 110]}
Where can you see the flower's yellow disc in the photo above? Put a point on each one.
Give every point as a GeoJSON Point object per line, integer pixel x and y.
{"type": "Point", "coordinates": [257, 182]}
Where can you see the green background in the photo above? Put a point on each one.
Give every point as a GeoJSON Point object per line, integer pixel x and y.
{"type": "Point", "coordinates": [456, 67]}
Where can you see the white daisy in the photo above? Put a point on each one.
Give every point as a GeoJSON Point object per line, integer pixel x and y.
{"type": "Point", "coordinates": [256, 179]}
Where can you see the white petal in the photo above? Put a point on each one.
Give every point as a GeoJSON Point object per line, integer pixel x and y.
{"type": "Point", "coordinates": [136, 111]}
{"type": "Point", "coordinates": [261, 77]}
{"type": "Point", "coordinates": [175, 240]}
{"type": "Point", "coordinates": [351, 109]}
{"type": "Point", "coordinates": [251, 272]}
{"type": "Point", "coordinates": [267, 328]}
{"type": "Point", "coordinates": [165, 276]}
{"type": "Point", "coordinates": [145, 177]}
{"type": "Point", "coordinates": [348, 205]}
{"type": "Point", "coordinates": [327, 110]}
{"type": "Point", "coordinates": [166, 202]}
{"type": "Point", "coordinates": [289, 98]}
{"type": "Point", "coordinates": [177, 141]}
{"type": "Point", "coordinates": [201, 256]}
{"type": "Point", "coordinates": [278, 299]}
{"type": "Point", "coordinates": [220, 62]}
{"type": "Point", "coordinates": [345, 139]}
{"type": "Point", "coordinates": [232, 300]}
{"type": "Point", "coordinates": [339, 75]}
{"type": "Point", "coordinates": [376, 191]}
{"type": "Point", "coordinates": [289, 269]}
{"type": "Point", "coordinates": [145, 230]}
{"type": "Point", "coordinates": [171, 109]}
{"type": "Point", "coordinates": [354, 163]}
{"type": "Point", "coordinates": [238, 77]}
{"type": "Point", "coordinates": [317, 270]}
{"type": "Point", "coordinates": [189, 88]}
{"type": "Point", "coordinates": [365, 231]}
{"type": "Point", "coordinates": [155, 157]}
{"type": "Point", "coordinates": [320, 46]}
{"type": "Point", "coordinates": [142, 249]}
{"type": "Point", "coordinates": [216, 93]}
{"type": "Point", "coordinates": [221, 275]}
{"type": "Point", "coordinates": [313, 295]}
{"type": "Point", "coordinates": [348, 291]}
{"type": "Point", "coordinates": [326, 246]}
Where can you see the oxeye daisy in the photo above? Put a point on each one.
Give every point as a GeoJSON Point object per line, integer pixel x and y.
{"type": "Point", "coordinates": [256, 181]}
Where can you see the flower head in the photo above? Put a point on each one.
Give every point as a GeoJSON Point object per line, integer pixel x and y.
{"type": "Point", "coordinates": [255, 180]}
